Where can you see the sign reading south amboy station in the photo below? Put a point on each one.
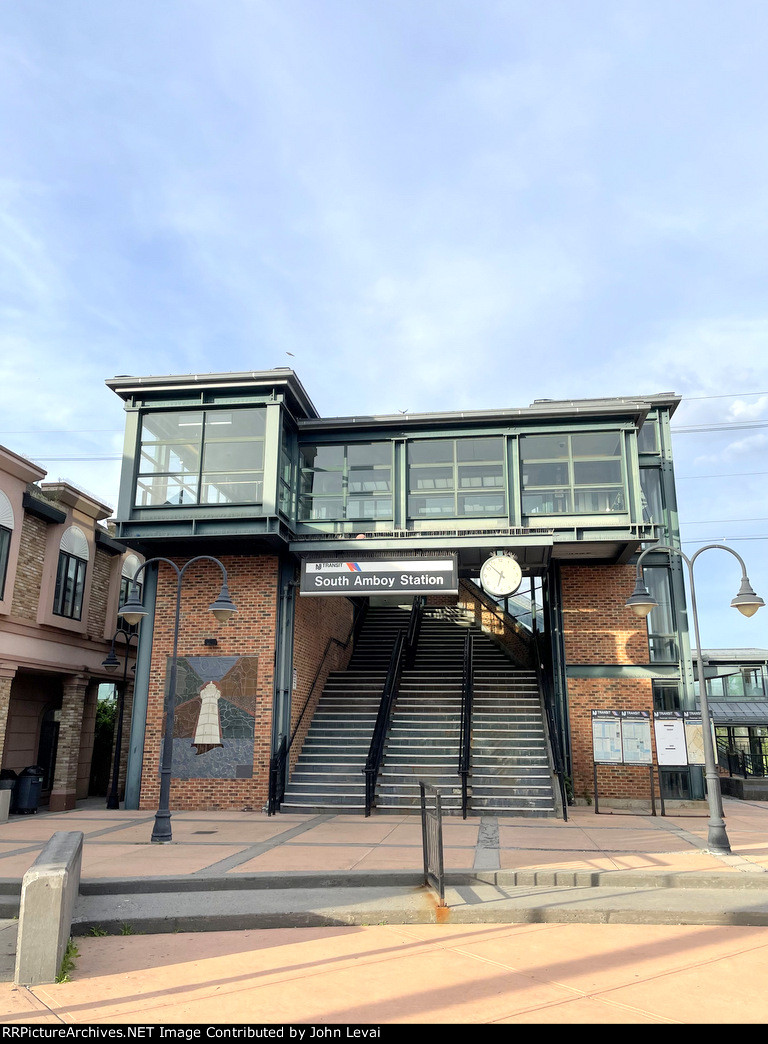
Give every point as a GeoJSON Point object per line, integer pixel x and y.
{"type": "Point", "coordinates": [406, 576]}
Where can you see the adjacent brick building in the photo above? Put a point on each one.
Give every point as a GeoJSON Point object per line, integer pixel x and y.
{"type": "Point", "coordinates": [60, 579]}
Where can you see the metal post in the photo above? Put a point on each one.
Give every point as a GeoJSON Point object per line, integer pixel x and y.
{"type": "Point", "coordinates": [113, 799]}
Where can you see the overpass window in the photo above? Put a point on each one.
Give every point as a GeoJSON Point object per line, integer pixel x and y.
{"type": "Point", "coordinates": [201, 457]}
{"type": "Point", "coordinates": [450, 478]}
{"type": "Point", "coordinates": [572, 474]}
{"type": "Point", "coordinates": [346, 482]}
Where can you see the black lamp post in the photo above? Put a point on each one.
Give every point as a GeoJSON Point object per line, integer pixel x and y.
{"type": "Point", "coordinates": [111, 663]}
{"type": "Point", "coordinates": [747, 602]}
{"type": "Point", "coordinates": [133, 612]}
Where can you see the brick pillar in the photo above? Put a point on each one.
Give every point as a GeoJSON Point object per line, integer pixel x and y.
{"type": "Point", "coordinates": [6, 680]}
{"type": "Point", "coordinates": [64, 792]}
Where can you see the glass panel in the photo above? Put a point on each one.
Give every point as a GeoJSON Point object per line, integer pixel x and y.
{"type": "Point", "coordinates": [479, 449]}
{"type": "Point", "coordinates": [244, 488]}
{"type": "Point", "coordinates": [223, 424]}
{"type": "Point", "coordinates": [367, 480]}
{"type": "Point", "coordinates": [598, 501]}
{"type": "Point", "coordinates": [431, 478]}
{"type": "Point", "coordinates": [434, 451]}
{"type": "Point", "coordinates": [177, 459]}
{"type": "Point", "coordinates": [552, 502]}
{"type": "Point", "coordinates": [753, 681]}
{"type": "Point", "coordinates": [437, 505]}
{"type": "Point", "coordinates": [596, 472]}
{"type": "Point", "coordinates": [366, 454]}
{"type": "Point", "coordinates": [233, 456]}
{"type": "Point", "coordinates": [321, 481]}
{"type": "Point", "coordinates": [650, 484]}
{"type": "Point", "coordinates": [320, 509]}
{"type": "Point", "coordinates": [369, 507]}
{"type": "Point", "coordinates": [661, 621]}
{"type": "Point", "coordinates": [545, 475]}
{"type": "Point", "coordinates": [482, 476]}
{"type": "Point", "coordinates": [481, 504]}
{"type": "Point", "coordinates": [165, 490]}
{"type": "Point", "coordinates": [666, 696]}
{"type": "Point", "coordinates": [5, 543]}
{"type": "Point", "coordinates": [648, 437]}
{"type": "Point", "coordinates": [544, 447]}
{"type": "Point", "coordinates": [597, 444]}
{"type": "Point", "coordinates": [172, 427]}
{"type": "Point", "coordinates": [322, 456]}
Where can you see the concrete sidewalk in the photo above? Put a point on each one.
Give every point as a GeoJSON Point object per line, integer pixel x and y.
{"type": "Point", "coordinates": [680, 934]}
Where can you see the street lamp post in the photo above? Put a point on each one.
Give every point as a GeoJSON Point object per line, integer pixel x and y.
{"type": "Point", "coordinates": [111, 663]}
{"type": "Point", "coordinates": [747, 602]}
{"type": "Point", "coordinates": [133, 612]}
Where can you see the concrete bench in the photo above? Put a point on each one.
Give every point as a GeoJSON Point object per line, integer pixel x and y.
{"type": "Point", "coordinates": [48, 893]}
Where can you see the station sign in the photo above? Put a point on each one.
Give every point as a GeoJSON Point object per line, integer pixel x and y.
{"type": "Point", "coordinates": [375, 576]}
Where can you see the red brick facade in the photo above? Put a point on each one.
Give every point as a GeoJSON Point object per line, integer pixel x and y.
{"type": "Point", "coordinates": [598, 629]}
{"type": "Point", "coordinates": [253, 586]}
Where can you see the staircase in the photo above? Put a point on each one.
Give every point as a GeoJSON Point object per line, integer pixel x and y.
{"type": "Point", "coordinates": [510, 766]}
{"type": "Point", "coordinates": [329, 772]}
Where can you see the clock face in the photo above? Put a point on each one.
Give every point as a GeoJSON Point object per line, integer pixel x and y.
{"type": "Point", "coordinates": [500, 575]}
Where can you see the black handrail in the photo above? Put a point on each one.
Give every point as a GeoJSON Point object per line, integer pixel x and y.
{"type": "Point", "coordinates": [503, 614]}
{"type": "Point", "coordinates": [542, 664]}
{"type": "Point", "coordinates": [738, 762]}
{"type": "Point", "coordinates": [376, 751]}
{"type": "Point", "coordinates": [414, 630]}
{"type": "Point", "coordinates": [279, 758]}
{"type": "Point", "coordinates": [465, 740]}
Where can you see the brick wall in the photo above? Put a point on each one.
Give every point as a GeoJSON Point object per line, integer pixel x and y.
{"type": "Point", "coordinates": [598, 629]}
{"type": "Point", "coordinates": [597, 626]}
{"type": "Point", "coordinates": [29, 571]}
{"type": "Point", "coordinates": [101, 569]}
{"type": "Point", "coordinates": [316, 621]}
{"type": "Point", "coordinates": [253, 589]}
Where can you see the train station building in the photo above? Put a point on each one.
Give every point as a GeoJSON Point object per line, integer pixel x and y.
{"type": "Point", "coordinates": [437, 597]}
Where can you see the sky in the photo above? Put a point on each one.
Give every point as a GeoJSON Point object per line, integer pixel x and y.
{"type": "Point", "coordinates": [416, 204]}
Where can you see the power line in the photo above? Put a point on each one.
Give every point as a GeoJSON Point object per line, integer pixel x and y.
{"type": "Point", "coordinates": [721, 521]}
{"type": "Point", "coordinates": [735, 474]}
{"type": "Point", "coordinates": [695, 429]}
{"type": "Point", "coordinates": [706, 539]}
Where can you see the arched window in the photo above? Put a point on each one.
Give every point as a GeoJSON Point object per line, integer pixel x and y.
{"type": "Point", "coordinates": [70, 577]}
{"type": "Point", "coordinates": [6, 529]}
{"type": "Point", "coordinates": [130, 565]}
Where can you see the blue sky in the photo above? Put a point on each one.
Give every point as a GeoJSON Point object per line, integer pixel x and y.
{"type": "Point", "coordinates": [432, 204]}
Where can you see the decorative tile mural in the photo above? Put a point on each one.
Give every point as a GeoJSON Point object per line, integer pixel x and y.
{"type": "Point", "coordinates": [214, 716]}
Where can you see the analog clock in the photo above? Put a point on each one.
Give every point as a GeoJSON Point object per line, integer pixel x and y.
{"type": "Point", "coordinates": [500, 575]}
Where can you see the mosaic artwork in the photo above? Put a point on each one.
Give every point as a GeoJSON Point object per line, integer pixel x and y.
{"type": "Point", "coordinates": [214, 717]}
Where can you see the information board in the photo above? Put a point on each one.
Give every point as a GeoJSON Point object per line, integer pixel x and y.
{"type": "Point", "coordinates": [636, 738]}
{"type": "Point", "coordinates": [606, 737]}
{"type": "Point", "coordinates": [670, 738]}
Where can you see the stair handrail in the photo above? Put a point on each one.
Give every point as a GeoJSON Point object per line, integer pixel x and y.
{"type": "Point", "coordinates": [279, 758]}
{"type": "Point", "coordinates": [465, 738]}
{"type": "Point", "coordinates": [414, 630]}
{"type": "Point", "coordinates": [378, 739]}
{"type": "Point", "coordinates": [491, 604]}
{"type": "Point", "coordinates": [543, 676]}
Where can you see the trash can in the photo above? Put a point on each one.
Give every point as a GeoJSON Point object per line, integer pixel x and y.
{"type": "Point", "coordinates": [27, 790]}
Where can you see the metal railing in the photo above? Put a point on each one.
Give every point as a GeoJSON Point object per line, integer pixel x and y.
{"type": "Point", "coordinates": [376, 751]}
{"type": "Point", "coordinates": [739, 763]}
{"type": "Point", "coordinates": [414, 630]}
{"type": "Point", "coordinates": [432, 840]}
{"type": "Point", "coordinates": [543, 667]}
{"type": "Point", "coordinates": [465, 737]}
{"type": "Point", "coordinates": [279, 759]}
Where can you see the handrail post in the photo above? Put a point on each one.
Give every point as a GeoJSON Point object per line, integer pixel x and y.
{"type": "Point", "coordinates": [388, 695]}
{"type": "Point", "coordinates": [465, 740]}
